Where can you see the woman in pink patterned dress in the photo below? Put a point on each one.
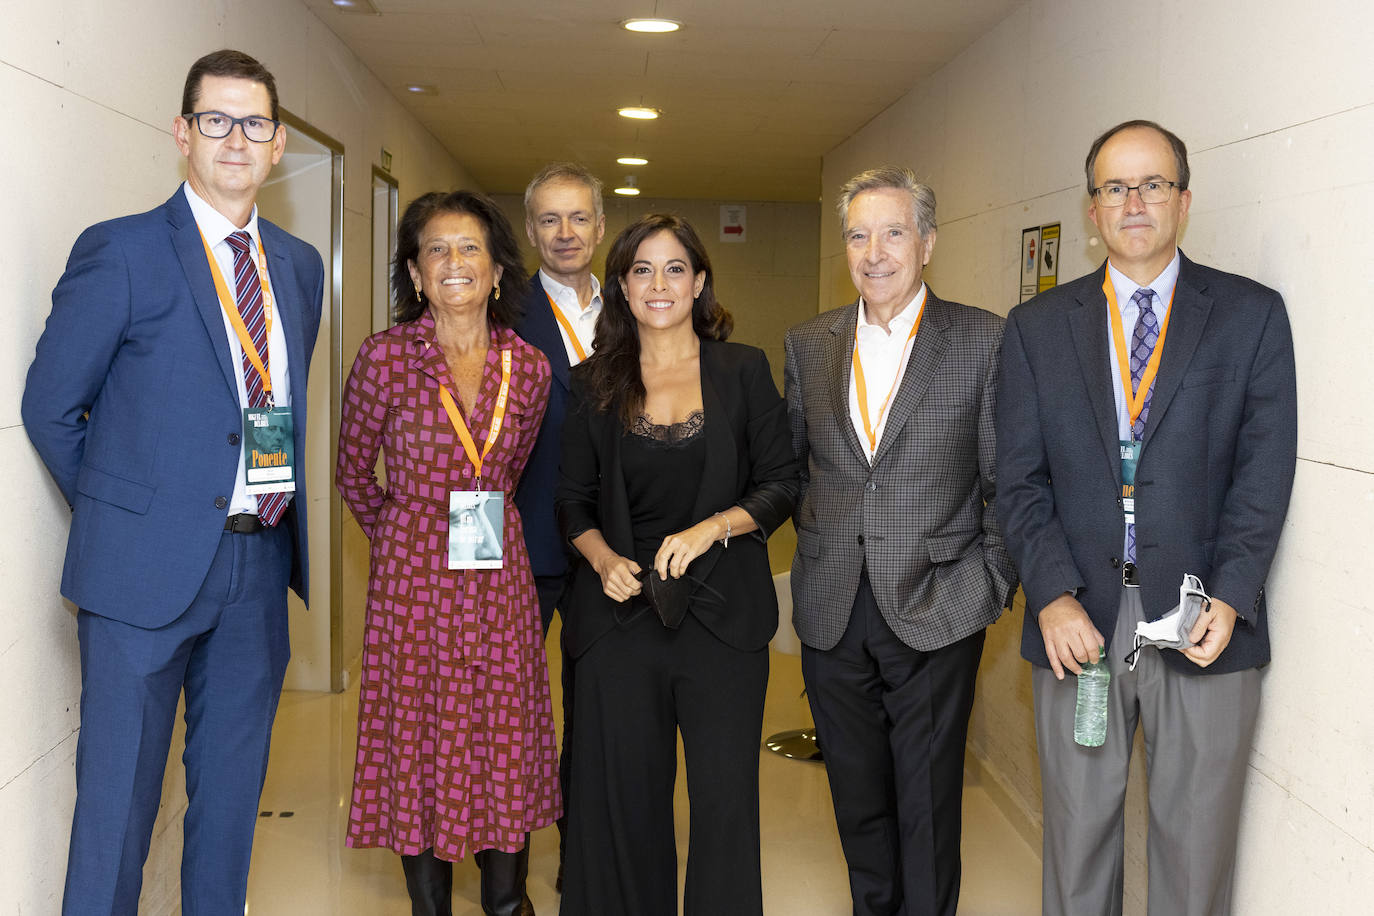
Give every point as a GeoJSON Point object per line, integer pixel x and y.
{"type": "Point", "coordinates": [456, 748]}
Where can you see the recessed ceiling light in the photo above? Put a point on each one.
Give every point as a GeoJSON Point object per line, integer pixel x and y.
{"type": "Point", "coordinates": [639, 114]}
{"type": "Point", "coordinates": [354, 6]}
{"type": "Point", "coordinates": [421, 89]}
{"type": "Point", "coordinates": [651, 25]}
{"type": "Point", "coordinates": [628, 189]}
{"type": "Point", "coordinates": [632, 160]}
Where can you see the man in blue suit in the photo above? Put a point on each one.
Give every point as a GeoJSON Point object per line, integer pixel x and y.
{"type": "Point", "coordinates": [565, 222]}
{"type": "Point", "coordinates": [1121, 468]}
{"type": "Point", "coordinates": [174, 334]}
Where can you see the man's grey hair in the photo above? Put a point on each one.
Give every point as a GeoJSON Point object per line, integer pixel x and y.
{"type": "Point", "coordinates": [565, 171]}
{"type": "Point", "coordinates": [901, 179]}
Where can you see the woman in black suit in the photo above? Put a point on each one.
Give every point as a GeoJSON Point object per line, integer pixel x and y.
{"type": "Point", "coordinates": [677, 465]}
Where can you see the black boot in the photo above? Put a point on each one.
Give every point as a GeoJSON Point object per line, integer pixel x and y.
{"type": "Point", "coordinates": [429, 881]}
{"type": "Point", "coordinates": [503, 882]}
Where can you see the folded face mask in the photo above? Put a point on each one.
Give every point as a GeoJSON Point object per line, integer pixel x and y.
{"type": "Point", "coordinates": [670, 597]}
{"type": "Point", "coordinates": [1171, 631]}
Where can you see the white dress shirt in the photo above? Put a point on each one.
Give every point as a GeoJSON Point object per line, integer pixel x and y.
{"type": "Point", "coordinates": [884, 355]}
{"type": "Point", "coordinates": [216, 228]}
{"type": "Point", "coordinates": [582, 321]}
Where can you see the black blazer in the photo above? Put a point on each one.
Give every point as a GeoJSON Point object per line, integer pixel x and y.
{"type": "Point", "coordinates": [749, 463]}
{"type": "Point", "coordinates": [1213, 481]}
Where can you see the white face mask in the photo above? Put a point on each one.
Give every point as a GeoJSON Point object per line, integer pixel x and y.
{"type": "Point", "coordinates": [1171, 631]}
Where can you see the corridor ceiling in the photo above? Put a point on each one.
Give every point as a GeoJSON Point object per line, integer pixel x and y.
{"type": "Point", "coordinates": [753, 93]}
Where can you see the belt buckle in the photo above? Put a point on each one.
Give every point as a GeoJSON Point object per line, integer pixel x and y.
{"type": "Point", "coordinates": [1130, 575]}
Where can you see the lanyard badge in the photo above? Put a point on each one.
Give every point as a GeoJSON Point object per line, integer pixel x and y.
{"type": "Point", "coordinates": [476, 517]}
{"type": "Point", "coordinates": [269, 450]}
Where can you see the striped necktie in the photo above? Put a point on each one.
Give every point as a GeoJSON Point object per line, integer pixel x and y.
{"type": "Point", "coordinates": [248, 291]}
{"type": "Point", "coordinates": [1143, 342]}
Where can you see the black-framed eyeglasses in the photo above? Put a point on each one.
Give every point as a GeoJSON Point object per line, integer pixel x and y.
{"type": "Point", "coordinates": [1151, 192]}
{"type": "Point", "coordinates": [217, 124]}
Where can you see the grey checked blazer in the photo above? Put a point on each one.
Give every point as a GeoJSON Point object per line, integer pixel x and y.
{"type": "Point", "coordinates": [922, 517]}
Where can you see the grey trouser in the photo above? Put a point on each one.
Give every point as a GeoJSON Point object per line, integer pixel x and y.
{"type": "Point", "coordinates": [1198, 734]}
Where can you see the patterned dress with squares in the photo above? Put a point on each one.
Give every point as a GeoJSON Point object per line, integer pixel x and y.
{"type": "Point", "coordinates": [456, 746]}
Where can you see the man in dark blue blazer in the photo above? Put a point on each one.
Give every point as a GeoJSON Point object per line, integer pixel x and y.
{"type": "Point", "coordinates": [1121, 468]}
{"type": "Point", "coordinates": [173, 335]}
{"type": "Point", "coordinates": [565, 221]}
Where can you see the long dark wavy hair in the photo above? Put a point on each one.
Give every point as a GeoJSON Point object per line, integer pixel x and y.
{"type": "Point", "coordinates": [612, 372]}
{"type": "Point", "coordinates": [501, 244]}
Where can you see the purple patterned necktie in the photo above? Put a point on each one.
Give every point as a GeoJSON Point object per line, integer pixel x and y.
{"type": "Point", "coordinates": [1143, 342]}
{"type": "Point", "coordinates": [248, 290]}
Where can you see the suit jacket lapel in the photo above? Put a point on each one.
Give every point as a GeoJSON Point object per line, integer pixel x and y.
{"type": "Point", "coordinates": [541, 331]}
{"type": "Point", "coordinates": [1088, 330]}
{"type": "Point", "coordinates": [927, 350]}
{"type": "Point", "coordinates": [190, 249]}
{"type": "Point", "coordinates": [1187, 318]}
{"type": "Point", "coordinates": [288, 299]}
{"type": "Point", "coordinates": [839, 359]}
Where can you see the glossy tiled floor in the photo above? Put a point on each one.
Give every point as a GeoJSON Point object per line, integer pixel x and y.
{"type": "Point", "coordinates": [301, 867]}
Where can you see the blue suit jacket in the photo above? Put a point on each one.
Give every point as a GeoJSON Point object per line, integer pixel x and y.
{"type": "Point", "coordinates": [534, 496]}
{"type": "Point", "coordinates": [132, 403]}
{"type": "Point", "coordinates": [1212, 485]}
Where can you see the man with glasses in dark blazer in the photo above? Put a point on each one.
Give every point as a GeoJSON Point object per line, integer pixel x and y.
{"type": "Point", "coordinates": [175, 336]}
{"type": "Point", "coordinates": [1146, 430]}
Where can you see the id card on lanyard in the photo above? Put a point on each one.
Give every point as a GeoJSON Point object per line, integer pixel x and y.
{"type": "Point", "coordinates": [269, 443]}
{"type": "Point", "coordinates": [1135, 399]}
{"type": "Point", "coordinates": [476, 517]}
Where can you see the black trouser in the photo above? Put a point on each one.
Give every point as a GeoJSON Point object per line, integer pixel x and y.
{"type": "Point", "coordinates": [639, 685]}
{"type": "Point", "coordinates": [892, 721]}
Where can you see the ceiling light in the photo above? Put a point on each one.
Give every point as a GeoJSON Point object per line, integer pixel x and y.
{"type": "Point", "coordinates": [629, 189]}
{"type": "Point", "coordinates": [354, 6]}
{"type": "Point", "coordinates": [632, 160]}
{"type": "Point", "coordinates": [651, 25]}
{"type": "Point", "coordinates": [421, 89]}
{"type": "Point", "coordinates": [639, 114]}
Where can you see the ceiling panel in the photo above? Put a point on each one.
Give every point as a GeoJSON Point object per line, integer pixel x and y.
{"type": "Point", "coordinates": [753, 94]}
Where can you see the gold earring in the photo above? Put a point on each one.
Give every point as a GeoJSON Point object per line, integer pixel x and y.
{"type": "Point", "coordinates": [419, 296]}
{"type": "Point", "coordinates": [497, 293]}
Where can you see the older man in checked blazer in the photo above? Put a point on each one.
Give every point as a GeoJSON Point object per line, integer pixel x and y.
{"type": "Point", "coordinates": [900, 565]}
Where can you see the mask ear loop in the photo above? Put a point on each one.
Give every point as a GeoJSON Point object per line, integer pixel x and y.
{"type": "Point", "coordinates": [1134, 655]}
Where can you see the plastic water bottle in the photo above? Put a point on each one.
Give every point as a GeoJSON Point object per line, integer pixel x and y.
{"type": "Point", "coordinates": [1090, 713]}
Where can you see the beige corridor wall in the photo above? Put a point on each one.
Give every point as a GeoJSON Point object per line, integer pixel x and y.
{"type": "Point", "coordinates": [89, 94]}
{"type": "Point", "coordinates": [1276, 103]}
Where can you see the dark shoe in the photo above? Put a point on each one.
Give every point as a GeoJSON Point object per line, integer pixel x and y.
{"type": "Point", "coordinates": [429, 881]}
{"type": "Point", "coordinates": [503, 882]}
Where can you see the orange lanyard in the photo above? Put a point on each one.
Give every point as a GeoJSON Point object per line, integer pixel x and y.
{"type": "Point", "coordinates": [231, 309]}
{"type": "Point", "coordinates": [1135, 400]}
{"type": "Point", "coordinates": [869, 427]}
{"type": "Point", "coordinates": [567, 328]}
{"type": "Point", "coordinates": [498, 416]}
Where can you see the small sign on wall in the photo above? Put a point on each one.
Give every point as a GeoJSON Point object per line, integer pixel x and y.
{"type": "Point", "coordinates": [1030, 249]}
{"type": "Point", "coordinates": [1049, 257]}
{"type": "Point", "coordinates": [732, 226]}
{"type": "Point", "coordinates": [1039, 259]}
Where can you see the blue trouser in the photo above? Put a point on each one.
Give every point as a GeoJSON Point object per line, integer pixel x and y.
{"type": "Point", "coordinates": [229, 652]}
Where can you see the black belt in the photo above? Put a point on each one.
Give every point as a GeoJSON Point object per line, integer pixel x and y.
{"type": "Point", "coordinates": [1130, 575]}
{"type": "Point", "coordinates": [243, 523]}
